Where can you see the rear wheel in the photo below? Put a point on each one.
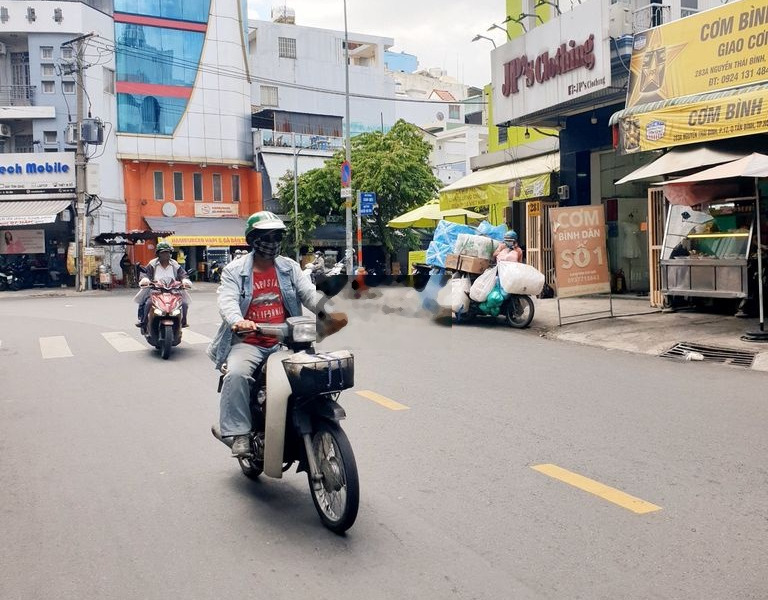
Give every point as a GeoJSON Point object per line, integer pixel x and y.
{"type": "Point", "coordinates": [166, 340]}
{"type": "Point", "coordinates": [519, 311]}
{"type": "Point", "coordinates": [338, 498]}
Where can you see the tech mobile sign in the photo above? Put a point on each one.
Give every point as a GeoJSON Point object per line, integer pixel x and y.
{"type": "Point", "coordinates": [555, 62]}
{"type": "Point", "coordinates": [30, 176]}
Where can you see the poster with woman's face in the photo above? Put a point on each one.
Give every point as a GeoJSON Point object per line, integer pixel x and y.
{"type": "Point", "coordinates": [22, 241]}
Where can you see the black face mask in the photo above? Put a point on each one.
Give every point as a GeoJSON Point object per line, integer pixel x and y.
{"type": "Point", "coordinates": [267, 246]}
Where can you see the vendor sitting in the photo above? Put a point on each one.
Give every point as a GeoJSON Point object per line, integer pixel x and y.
{"type": "Point", "coordinates": [509, 250]}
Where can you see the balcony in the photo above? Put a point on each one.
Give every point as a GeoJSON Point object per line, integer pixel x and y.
{"type": "Point", "coordinates": [651, 15]}
{"type": "Point", "coordinates": [17, 95]}
{"type": "Point", "coordinates": [268, 138]}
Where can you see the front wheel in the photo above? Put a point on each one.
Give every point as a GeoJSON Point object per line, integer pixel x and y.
{"type": "Point", "coordinates": [338, 498]}
{"type": "Point", "coordinates": [166, 341]}
{"type": "Point", "coordinates": [519, 311]}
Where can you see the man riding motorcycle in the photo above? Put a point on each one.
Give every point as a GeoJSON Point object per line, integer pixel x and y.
{"type": "Point", "coordinates": [162, 268]}
{"type": "Point", "coordinates": [259, 287]}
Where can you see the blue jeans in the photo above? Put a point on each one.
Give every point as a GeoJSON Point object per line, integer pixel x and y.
{"type": "Point", "coordinates": [235, 410]}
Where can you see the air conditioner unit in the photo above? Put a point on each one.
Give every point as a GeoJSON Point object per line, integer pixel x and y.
{"type": "Point", "coordinates": [619, 20]}
{"type": "Point", "coordinates": [5, 131]}
{"type": "Point", "coordinates": [3, 49]}
{"type": "Point", "coordinates": [564, 192]}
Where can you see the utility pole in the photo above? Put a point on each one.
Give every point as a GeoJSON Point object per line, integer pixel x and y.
{"type": "Point", "coordinates": [80, 227]}
{"type": "Point", "coordinates": [296, 152]}
{"type": "Point", "coordinates": [349, 251]}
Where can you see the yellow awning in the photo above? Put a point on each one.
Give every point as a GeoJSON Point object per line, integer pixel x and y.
{"type": "Point", "coordinates": [521, 180]}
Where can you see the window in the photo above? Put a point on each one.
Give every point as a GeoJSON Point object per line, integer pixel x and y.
{"type": "Point", "coordinates": [49, 137]}
{"type": "Point", "coordinates": [454, 112]}
{"type": "Point", "coordinates": [47, 70]}
{"type": "Point", "coordinates": [503, 135]}
{"type": "Point", "coordinates": [67, 53]}
{"type": "Point", "coordinates": [235, 188]}
{"type": "Point", "coordinates": [159, 191]}
{"type": "Point", "coordinates": [196, 11]}
{"type": "Point", "coordinates": [178, 186]}
{"type": "Point", "coordinates": [68, 87]}
{"type": "Point", "coordinates": [197, 186]}
{"type": "Point", "coordinates": [688, 7]}
{"type": "Point", "coordinates": [269, 95]}
{"type": "Point", "coordinates": [217, 187]}
{"type": "Point", "coordinates": [46, 52]}
{"type": "Point", "coordinates": [108, 79]}
{"type": "Point", "coordinates": [24, 143]}
{"type": "Point", "coordinates": [49, 87]}
{"type": "Point", "coordinates": [286, 47]}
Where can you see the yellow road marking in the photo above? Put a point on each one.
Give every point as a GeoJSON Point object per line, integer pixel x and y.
{"type": "Point", "coordinates": [383, 400]}
{"type": "Point", "coordinates": [636, 505]}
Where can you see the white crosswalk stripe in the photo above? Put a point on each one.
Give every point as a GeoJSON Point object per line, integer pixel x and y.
{"type": "Point", "coordinates": [55, 347]}
{"type": "Point", "coordinates": [122, 342]}
{"type": "Point", "coordinates": [190, 337]}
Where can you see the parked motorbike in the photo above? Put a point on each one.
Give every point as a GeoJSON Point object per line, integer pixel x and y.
{"type": "Point", "coordinates": [295, 416]}
{"type": "Point", "coordinates": [162, 323]}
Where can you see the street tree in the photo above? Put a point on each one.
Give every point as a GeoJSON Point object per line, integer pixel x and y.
{"type": "Point", "coordinates": [394, 165]}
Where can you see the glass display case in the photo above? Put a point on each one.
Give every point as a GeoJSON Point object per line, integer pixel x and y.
{"type": "Point", "coordinates": [706, 249]}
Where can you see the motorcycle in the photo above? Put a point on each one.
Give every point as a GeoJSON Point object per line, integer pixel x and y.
{"type": "Point", "coordinates": [295, 416]}
{"type": "Point", "coordinates": [162, 324]}
{"type": "Point", "coordinates": [517, 309]}
{"type": "Point", "coordinates": [7, 279]}
{"type": "Point", "coordinates": [216, 268]}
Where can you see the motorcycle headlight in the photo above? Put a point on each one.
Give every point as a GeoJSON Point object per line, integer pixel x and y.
{"type": "Point", "coordinates": [158, 312]}
{"type": "Point", "coordinates": [176, 312]}
{"type": "Point", "coordinates": [304, 332]}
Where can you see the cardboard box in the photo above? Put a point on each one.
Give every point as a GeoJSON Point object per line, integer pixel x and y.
{"type": "Point", "coordinates": [452, 261]}
{"type": "Point", "coordinates": [473, 264]}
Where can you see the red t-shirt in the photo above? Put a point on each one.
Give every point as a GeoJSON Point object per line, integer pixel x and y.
{"type": "Point", "coordinates": [266, 306]}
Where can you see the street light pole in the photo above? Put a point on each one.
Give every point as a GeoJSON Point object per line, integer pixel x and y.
{"type": "Point", "coordinates": [348, 203]}
{"type": "Point", "coordinates": [296, 152]}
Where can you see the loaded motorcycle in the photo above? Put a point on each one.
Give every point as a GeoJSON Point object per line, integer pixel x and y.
{"type": "Point", "coordinates": [295, 416]}
{"type": "Point", "coordinates": [162, 322]}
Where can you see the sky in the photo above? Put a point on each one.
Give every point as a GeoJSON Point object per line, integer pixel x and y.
{"type": "Point", "coordinates": [437, 32]}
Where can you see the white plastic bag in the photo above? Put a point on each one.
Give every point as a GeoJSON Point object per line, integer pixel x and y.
{"type": "Point", "coordinates": [519, 278]}
{"type": "Point", "coordinates": [460, 287]}
{"type": "Point", "coordinates": [474, 245]}
{"type": "Point", "coordinates": [483, 285]}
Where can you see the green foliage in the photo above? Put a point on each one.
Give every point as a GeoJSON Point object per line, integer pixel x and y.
{"type": "Point", "coordinates": [394, 165]}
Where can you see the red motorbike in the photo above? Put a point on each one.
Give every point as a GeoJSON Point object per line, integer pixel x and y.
{"type": "Point", "coordinates": [162, 323]}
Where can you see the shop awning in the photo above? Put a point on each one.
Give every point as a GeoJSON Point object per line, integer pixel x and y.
{"type": "Point", "coordinates": [528, 178]}
{"type": "Point", "coordinates": [198, 231]}
{"type": "Point", "coordinates": [690, 119]}
{"type": "Point", "coordinates": [683, 159]}
{"type": "Point", "coordinates": [30, 212]}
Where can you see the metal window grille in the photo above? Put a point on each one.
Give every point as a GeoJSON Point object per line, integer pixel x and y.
{"type": "Point", "coordinates": [269, 95]}
{"type": "Point", "coordinates": [286, 47]}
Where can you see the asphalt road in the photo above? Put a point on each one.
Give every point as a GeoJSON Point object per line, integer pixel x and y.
{"type": "Point", "coordinates": [113, 488]}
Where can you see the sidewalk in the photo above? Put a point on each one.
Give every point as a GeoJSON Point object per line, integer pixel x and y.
{"type": "Point", "coordinates": [635, 327]}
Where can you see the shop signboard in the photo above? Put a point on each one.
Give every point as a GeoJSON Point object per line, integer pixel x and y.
{"type": "Point", "coordinates": [216, 209]}
{"type": "Point", "coordinates": [32, 176]}
{"type": "Point", "coordinates": [522, 188]}
{"type": "Point", "coordinates": [581, 259]}
{"type": "Point", "coordinates": [713, 50]}
{"type": "Point", "coordinates": [715, 119]}
{"type": "Point", "coordinates": [22, 241]}
{"type": "Point", "coordinates": [206, 240]}
{"type": "Point", "coordinates": [554, 63]}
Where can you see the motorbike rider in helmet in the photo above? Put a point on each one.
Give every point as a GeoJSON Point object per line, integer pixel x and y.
{"type": "Point", "coordinates": [509, 249]}
{"type": "Point", "coordinates": [258, 287]}
{"type": "Point", "coordinates": [162, 268]}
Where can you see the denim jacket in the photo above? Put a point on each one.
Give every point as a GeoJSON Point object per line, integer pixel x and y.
{"type": "Point", "coordinates": [235, 294]}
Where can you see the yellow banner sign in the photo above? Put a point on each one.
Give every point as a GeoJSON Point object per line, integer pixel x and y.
{"type": "Point", "coordinates": [206, 240]}
{"type": "Point", "coordinates": [581, 259]}
{"type": "Point", "coordinates": [416, 257]}
{"type": "Point", "coordinates": [715, 49]}
{"type": "Point", "coordinates": [524, 188]}
{"type": "Point", "coordinates": [744, 113]}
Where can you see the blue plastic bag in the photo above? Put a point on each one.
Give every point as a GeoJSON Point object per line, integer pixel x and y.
{"type": "Point", "coordinates": [488, 230]}
{"type": "Point", "coordinates": [437, 253]}
{"type": "Point", "coordinates": [447, 232]}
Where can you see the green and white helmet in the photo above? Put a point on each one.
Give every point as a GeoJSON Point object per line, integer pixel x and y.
{"type": "Point", "coordinates": [262, 221]}
{"type": "Point", "coordinates": [163, 247]}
